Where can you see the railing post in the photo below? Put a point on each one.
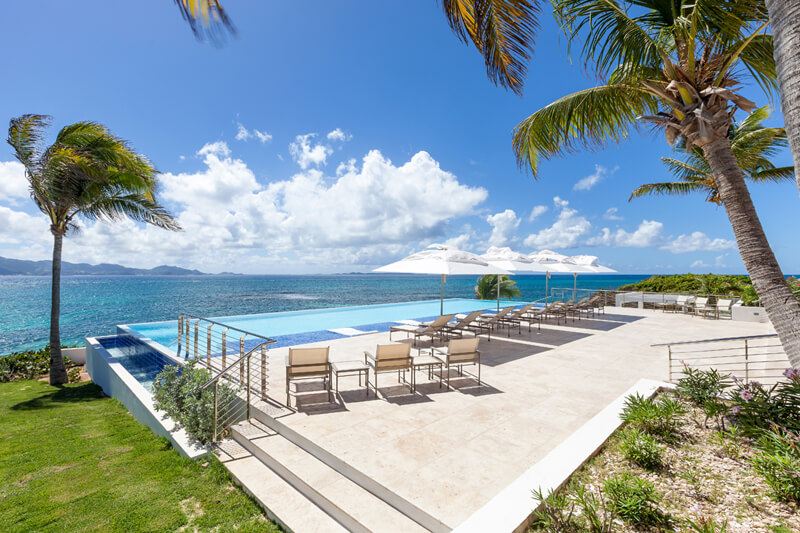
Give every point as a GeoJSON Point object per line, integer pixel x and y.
{"type": "Point", "coordinates": [180, 333]}
{"type": "Point", "coordinates": [263, 373]}
{"type": "Point", "coordinates": [248, 385]}
{"type": "Point", "coordinates": [669, 352]}
{"type": "Point", "coordinates": [196, 328]}
{"type": "Point", "coordinates": [746, 362]}
{"type": "Point", "coordinates": [187, 338]}
{"type": "Point", "coordinates": [216, 383]}
{"type": "Point", "coordinates": [241, 364]}
{"type": "Point", "coordinates": [224, 347]}
{"type": "Point", "coordinates": [208, 345]}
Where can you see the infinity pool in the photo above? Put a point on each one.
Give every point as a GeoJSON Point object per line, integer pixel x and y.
{"type": "Point", "coordinates": [299, 327]}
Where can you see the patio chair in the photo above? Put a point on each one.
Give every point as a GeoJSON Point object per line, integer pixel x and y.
{"type": "Point", "coordinates": [723, 305]}
{"type": "Point", "coordinates": [434, 330]}
{"type": "Point", "coordinates": [518, 316]}
{"type": "Point", "coordinates": [685, 305]}
{"type": "Point", "coordinates": [472, 324]}
{"type": "Point", "coordinates": [389, 358]}
{"type": "Point", "coordinates": [669, 302]}
{"type": "Point", "coordinates": [576, 308]}
{"type": "Point", "coordinates": [700, 306]}
{"type": "Point", "coordinates": [539, 313]}
{"type": "Point", "coordinates": [496, 320]}
{"type": "Point", "coordinates": [459, 352]}
{"type": "Point", "coordinates": [308, 363]}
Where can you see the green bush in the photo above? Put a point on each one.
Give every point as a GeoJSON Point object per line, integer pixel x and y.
{"type": "Point", "coordinates": [583, 510]}
{"type": "Point", "coordinates": [699, 386]}
{"type": "Point", "coordinates": [634, 500]}
{"type": "Point", "coordinates": [692, 283]}
{"type": "Point", "coordinates": [657, 417]}
{"type": "Point", "coordinates": [705, 524]}
{"type": "Point", "coordinates": [641, 449]}
{"type": "Point", "coordinates": [31, 364]}
{"type": "Point", "coordinates": [778, 462]}
{"type": "Point", "coordinates": [177, 391]}
{"type": "Point", "coordinates": [758, 407]}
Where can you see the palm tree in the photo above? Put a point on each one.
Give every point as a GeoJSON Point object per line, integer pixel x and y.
{"type": "Point", "coordinates": [785, 20]}
{"type": "Point", "coordinates": [486, 289]}
{"type": "Point", "coordinates": [678, 65]}
{"type": "Point", "coordinates": [752, 145]}
{"type": "Point", "coordinates": [86, 172]}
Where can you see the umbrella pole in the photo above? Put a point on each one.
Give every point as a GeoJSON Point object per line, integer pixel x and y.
{"type": "Point", "coordinates": [441, 298]}
{"type": "Point", "coordinates": [575, 285]}
{"type": "Point", "coordinates": [546, 283]}
{"type": "Point", "coordinates": [498, 293]}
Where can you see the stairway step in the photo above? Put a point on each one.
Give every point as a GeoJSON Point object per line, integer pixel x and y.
{"type": "Point", "coordinates": [349, 503]}
{"type": "Point", "coordinates": [284, 504]}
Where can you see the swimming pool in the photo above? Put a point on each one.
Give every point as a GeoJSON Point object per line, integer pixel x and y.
{"type": "Point", "coordinates": [300, 327]}
{"type": "Point", "coordinates": [140, 360]}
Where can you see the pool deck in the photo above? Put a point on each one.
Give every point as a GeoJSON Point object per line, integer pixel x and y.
{"type": "Point", "coordinates": [449, 452]}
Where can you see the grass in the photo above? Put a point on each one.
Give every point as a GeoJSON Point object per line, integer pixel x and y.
{"type": "Point", "coordinates": [72, 459]}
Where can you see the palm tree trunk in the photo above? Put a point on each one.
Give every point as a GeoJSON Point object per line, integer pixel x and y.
{"type": "Point", "coordinates": [58, 372]}
{"type": "Point", "coordinates": [785, 19]}
{"type": "Point", "coordinates": [775, 294]}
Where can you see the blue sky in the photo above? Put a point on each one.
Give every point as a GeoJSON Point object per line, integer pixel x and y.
{"type": "Point", "coordinates": [338, 136]}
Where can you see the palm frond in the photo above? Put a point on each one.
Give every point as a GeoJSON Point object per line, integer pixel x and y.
{"type": "Point", "coordinates": [133, 206]}
{"type": "Point", "coordinates": [25, 135]}
{"type": "Point", "coordinates": [207, 19]}
{"type": "Point", "coordinates": [610, 35]}
{"type": "Point", "coordinates": [777, 174]}
{"type": "Point", "coordinates": [679, 188]}
{"type": "Point", "coordinates": [757, 57]}
{"type": "Point", "coordinates": [503, 31]}
{"type": "Point", "coordinates": [685, 171]}
{"type": "Point", "coordinates": [587, 118]}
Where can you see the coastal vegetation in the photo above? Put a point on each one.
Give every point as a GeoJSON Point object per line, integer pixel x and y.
{"type": "Point", "coordinates": [692, 283]}
{"type": "Point", "coordinates": [716, 454]}
{"type": "Point", "coordinates": [86, 173]}
{"type": "Point", "coordinates": [486, 289]}
{"type": "Point", "coordinates": [72, 459]}
{"type": "Point", "coordinates": [31, 364]}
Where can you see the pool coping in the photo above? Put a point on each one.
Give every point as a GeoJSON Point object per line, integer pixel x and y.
{"type": "Point", "coordinates": [110, 375]}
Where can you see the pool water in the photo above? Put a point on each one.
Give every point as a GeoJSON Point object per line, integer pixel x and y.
{"type": "Point", "coordinates": [140, 360]}
{"type": "Point", "coordinates": [299, 327]}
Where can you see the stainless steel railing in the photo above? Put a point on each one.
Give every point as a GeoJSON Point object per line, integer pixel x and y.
{"type": "Point", "coordinates": [238, 384]}
{"type": "Point", "coordinates": [751, 358]}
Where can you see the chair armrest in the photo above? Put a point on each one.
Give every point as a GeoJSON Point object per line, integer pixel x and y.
{"type": "Point", "coordinates": [368, 355]}
{"type": "Point", "coordinates": [286, 360]}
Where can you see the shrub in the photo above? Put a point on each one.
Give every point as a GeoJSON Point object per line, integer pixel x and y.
{"type": "Point", "coordinates": [705, 524]}
{"type": "Point", "coordinates": [641, 449]}
{"type": "Point", "coordinates": [778, 462]}
{"type": "Point", "coordinates": [177, 391]}
{"type": "Point", "coordinates": [29, 364]}
{"type": "Point", "coordinates": [730, 441]}
{"type": "Point", "coordinates": [583, 511]}
{"type": "Point", "coordinates": [757, 407]}
{"type": "Point", "coordinates": [699, 386]}
{"type": "Point", "coordinates": [657, 417]}
{"type": "Point", "coordinates": [634, 500]}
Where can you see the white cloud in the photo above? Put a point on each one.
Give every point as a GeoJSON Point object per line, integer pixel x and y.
{"type": "Point", "coordinates": [719, 261]}
{"type": "Point", "coordinates": [647, 234]}
{"type": "Point", "coordinates": [305, 154]}
{"type": "Point", "coordinates": [339, 135]}
{"type": "Point", "coordinates": [13, 183]}
{"type": "Point", "coordinates": [566, 232]}
{"type": "Point", "coordinates": [372, 213]}
{"type": "Point", "coordinates": [611, 214]}
{"type": "Point", "coordinates": [698, 241]}
{"type": "Point", "coordinates": [699, 264]}
{"type": "Point", "coordinates": [459, 241]}
{"type": "Point", "coordinates": [504, 227]}
{"type": "Point", "coordinates": [536, 211]}
{"type": "Point", "coordinates": [243, 134]}
{"type": "Point", "coordinates": [600, 172]}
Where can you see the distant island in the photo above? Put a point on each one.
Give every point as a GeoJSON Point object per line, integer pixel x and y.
{"type": "Point", "coordinates": [18, 267]}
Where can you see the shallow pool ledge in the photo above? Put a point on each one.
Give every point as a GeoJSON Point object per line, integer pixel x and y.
{"type": "Point", "coordinates": [117, 382]}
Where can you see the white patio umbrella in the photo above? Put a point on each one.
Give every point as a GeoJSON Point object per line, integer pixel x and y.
{"type": "Point", "coordinates": [508, 259]}
{"type": "Point", "coordinates": [443, 260]}
{"type": "Point", "coordinates": [552, 262]}
{"type": "Point", "coordinates": [584, 264]}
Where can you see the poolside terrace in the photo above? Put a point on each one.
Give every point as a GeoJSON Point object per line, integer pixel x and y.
{"type": "Point", "coordinates": [445, 453]}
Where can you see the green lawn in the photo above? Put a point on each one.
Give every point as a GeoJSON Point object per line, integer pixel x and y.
{"type": "Point", "coordinates": [74, 460]}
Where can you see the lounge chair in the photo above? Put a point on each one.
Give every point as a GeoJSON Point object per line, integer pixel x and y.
{"type": "Point", "coordinates": [701, 305]}
{"type": "Point", "coordinates": [434, 330]}
{"type": "Point", "coordinates": [576, 308]}
{"type": "Point", "coordinates": [472, 324]}
{"type": "Point", "coordinates": [723, 305]}
{"type": "Point", "coordinates": [496, 320]}
{"type": "Point", "coordinates": [459, 352]}
{"type": "Point", "coordinates": [389, 358]}
{"type": "Point", "coordinates": [540, 313]}
{"type": "Point", "coordinates": [685, 305]}
{"type": "Point", "coordinates": [518, 316]}
{"type": "Point", "coordinates": [669, 302]}
{"type": "Point", "coordinates": [308, 363]}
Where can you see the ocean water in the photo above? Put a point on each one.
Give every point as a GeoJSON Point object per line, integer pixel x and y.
{"type": "Point", "coordinates": [94, 305]}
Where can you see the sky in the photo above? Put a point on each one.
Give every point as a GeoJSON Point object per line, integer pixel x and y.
{"type": "Point", "coordinates": [339, 136]}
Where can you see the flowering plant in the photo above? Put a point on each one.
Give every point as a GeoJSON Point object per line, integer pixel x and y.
{"type": "Point", "coordinates": [757, 406]}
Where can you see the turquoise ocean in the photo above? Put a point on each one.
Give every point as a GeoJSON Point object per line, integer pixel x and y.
{"type": "Point", "coordinates": [94, 305]}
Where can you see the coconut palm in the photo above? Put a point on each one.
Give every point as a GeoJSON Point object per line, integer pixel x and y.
{"type": "Point", "coordinates": [784, 16]}
{"type": "Point", "coordinates": [678, 65]}
{"type": "Point", "coordinates": [86, 172]}
{"type": "Point", "coordinates": [752, 145]}
{"type": "Point", "coordinates": [486, 289]}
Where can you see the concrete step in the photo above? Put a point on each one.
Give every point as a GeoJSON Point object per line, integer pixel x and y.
{"type": "Point", "coordinates": [350, 504]}
{"type": "Point", "coordinates": [284, 504]}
